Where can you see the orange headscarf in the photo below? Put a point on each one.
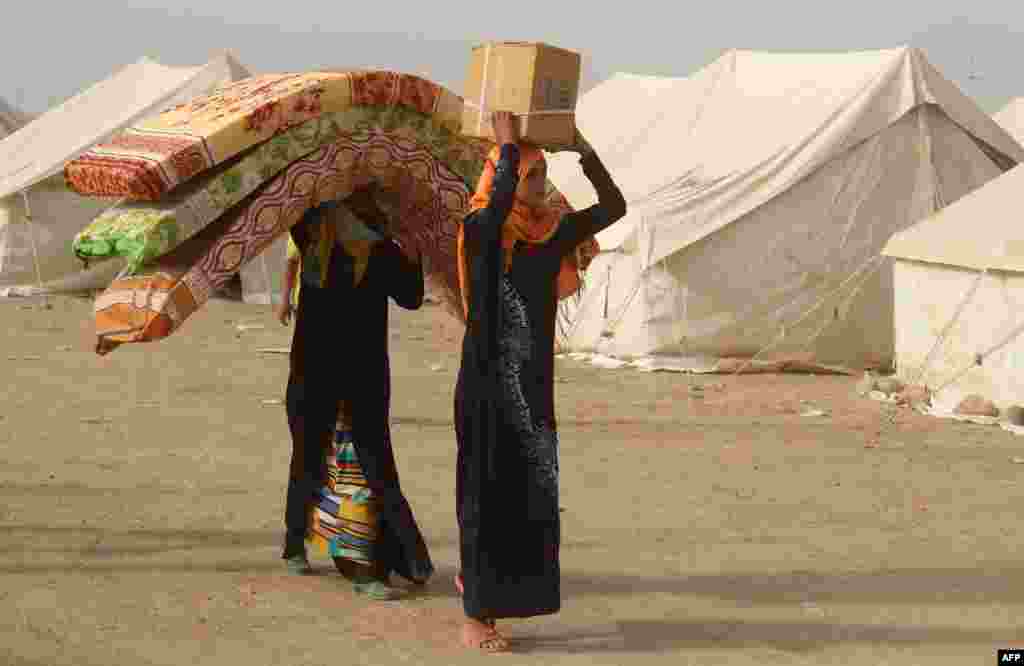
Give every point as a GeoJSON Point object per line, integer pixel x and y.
{"type": "Point", "coordinates": [524, 225]}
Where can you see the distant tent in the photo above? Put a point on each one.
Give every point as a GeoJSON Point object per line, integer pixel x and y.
{"type": "Point", "coordinates": [263, 278]}
{"type": "Point", "coordinates": [32, 158]}
{"type": "Point", "coordinates": [1011, 118]}
{"type": "Point", "coordinates": [760, 189]}
{"type": "Point", "coordinates": [10, 119]}
{"type": "Point", "coordinates": [946, 307]}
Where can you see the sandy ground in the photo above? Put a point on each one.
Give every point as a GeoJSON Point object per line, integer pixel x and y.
{"type": "Point", "coordinates": [141, 500]}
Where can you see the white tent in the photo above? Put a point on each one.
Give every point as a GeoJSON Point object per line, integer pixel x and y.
{"type": "Point", "coordinates": [1011, 118]}
{"type": "Point", "coordinates": [32, 159]}
{"type": "Point", "coordinates": [761, 188]}
{"type": "Point", "coordinates": [948, 309]}
{"type": "Point", "coordinates": [10, 118]}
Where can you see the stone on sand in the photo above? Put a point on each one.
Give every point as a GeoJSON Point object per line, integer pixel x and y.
{"type": "Point", "coordinates": [866, 385]}
{"type": "Point", "coordinates": [1015, 415]}
{"type": "Point", "coordinates": [915, 395]}
{"type": "Point", "coordinates": [889, 385]}
{"type": "Point", "coordinates": [976, 405]}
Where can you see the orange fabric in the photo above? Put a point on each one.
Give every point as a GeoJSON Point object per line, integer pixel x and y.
{"type": "Point", "coordinates": [524, 225]}
{"type": "Point", "coordinates": [133, 310]}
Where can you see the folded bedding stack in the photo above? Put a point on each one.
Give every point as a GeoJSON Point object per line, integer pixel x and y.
{"type": "Point", "coordinates": [210, 184]}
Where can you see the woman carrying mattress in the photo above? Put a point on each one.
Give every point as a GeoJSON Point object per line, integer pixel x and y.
{"type": "Point", "coordinates": [343, 491]}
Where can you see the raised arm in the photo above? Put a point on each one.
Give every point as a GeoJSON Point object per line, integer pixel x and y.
{"type": "Point", "coordinates": [609, 209]}
{"type": "Point", "coordinates": [503, 192]}
{"type": "Point", "coordinates": [506, 178]}
{"type": "Point", "coordinates": [404, 275]}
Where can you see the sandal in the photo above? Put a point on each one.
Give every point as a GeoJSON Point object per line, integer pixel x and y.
{"type": "Point", "coordinates": [298, 565]}
{"type": "Point", "coordinates": [377, 590]}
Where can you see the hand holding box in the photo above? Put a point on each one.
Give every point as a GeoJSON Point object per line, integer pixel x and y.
{"type": "Point", "coordinates": [536, 82]}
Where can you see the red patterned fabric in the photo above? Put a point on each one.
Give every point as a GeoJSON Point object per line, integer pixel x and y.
{"type": "Point", "coordinates": [433, 198]}
{"type": "Point", "coordinates": [149, 160]}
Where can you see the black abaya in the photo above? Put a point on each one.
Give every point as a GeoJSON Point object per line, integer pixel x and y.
{"type": "Point", "coordinates": [507, 483]}
{"type": "Point", "coordinates": [340, 351]}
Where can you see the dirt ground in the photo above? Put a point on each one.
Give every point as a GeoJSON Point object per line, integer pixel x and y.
{"type": "Point", "coordinates": [141, 508]}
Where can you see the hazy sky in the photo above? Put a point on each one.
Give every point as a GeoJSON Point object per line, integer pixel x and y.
{"type": "Point", "coordinates": [50, 51]}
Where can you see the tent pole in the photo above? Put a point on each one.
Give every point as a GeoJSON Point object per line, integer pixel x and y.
{"type": "Point", "coordinates": [32, 241]}
{"type": "Point", "coordinates": [607, 288]}
{"type": "Point", "coordinates": [266, 279]}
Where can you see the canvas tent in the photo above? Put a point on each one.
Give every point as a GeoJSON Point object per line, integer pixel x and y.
{"type": "Point", "coordinates": [263, 278]}
{"type": "Point", "coordinates": [10, 118]}
{"type": "Point", "coordinates": [948, 309]}
{"type": "Point", "coordinates": [760, 188]}
{"type": "Point", "coordinates": [32, 159]}
{"type": "Point", "coordinates": [1011, 118]}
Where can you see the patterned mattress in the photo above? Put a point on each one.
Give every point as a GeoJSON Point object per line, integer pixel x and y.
{"type": "Point", "coordinates": [147, 161]}
{"type": "Point", "coordinates": [143, 231]}
{"type": "Point", "coordinates": [214, 182]}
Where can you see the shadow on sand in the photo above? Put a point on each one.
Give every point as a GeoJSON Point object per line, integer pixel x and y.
{"type": "Point", "coordinates": [97, 547]}
{"type": "Point", "coordinates": [102, 551]}
{"type": "Point", "coordinates": [714, 633]}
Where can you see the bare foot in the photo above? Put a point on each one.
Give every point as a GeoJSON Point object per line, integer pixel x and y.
{"type": "Point", "coordinates": [483, 636]}
{"type": "Point", "coordinates": [462, 592]}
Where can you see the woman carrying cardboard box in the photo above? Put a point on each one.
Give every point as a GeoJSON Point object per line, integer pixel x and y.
{"type": "Point", "coordinates": [516, 258]}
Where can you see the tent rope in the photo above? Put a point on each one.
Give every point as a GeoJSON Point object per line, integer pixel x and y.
{"type": "Point", "coordinates": [877, 260]}
{"type": "Point", "coordinates": [575, 321]}
{"type": "Point", "coordinates": [606, 328]}
{"type": "Point", "coordinates": [941, 337]}
{"type": "Point", "coordinates": [980, 358]}
{"type": "Point", "coordinates": [891, 410]}
{"type": "Point", "coordinates": [888, 417]}
{"type": "Point", "coordinates": [843, 306]}
{"type": "Point", "coordinates": [637, 283]}
{"type": "Point", "coordinates": [563, 318]}
{"type": "Point", "coordinates": [609, 330]}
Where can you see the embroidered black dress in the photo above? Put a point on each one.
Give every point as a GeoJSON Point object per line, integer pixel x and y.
{"type": "Point", "coordinates": [507, 484]}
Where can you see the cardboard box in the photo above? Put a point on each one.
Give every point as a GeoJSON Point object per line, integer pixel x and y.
{"type": "Point", "coordinates": [537, 82]}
